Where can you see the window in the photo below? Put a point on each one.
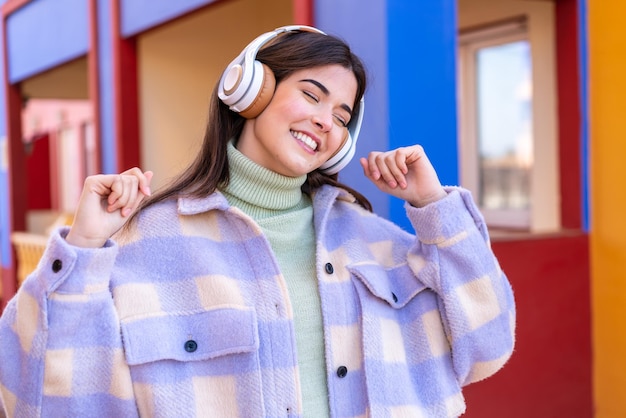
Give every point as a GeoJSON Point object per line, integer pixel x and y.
{"type": "Point", "coordinates": [498, 132]}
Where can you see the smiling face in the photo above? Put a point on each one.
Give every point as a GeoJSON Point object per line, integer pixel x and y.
{"type": "Point", "coordinates": [304, 124]}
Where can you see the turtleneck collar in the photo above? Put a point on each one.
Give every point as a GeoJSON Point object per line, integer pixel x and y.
{"type": "Point", "coordinates": [261, 192]}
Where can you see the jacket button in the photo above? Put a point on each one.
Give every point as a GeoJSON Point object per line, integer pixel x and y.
{"type": "Point", "coordinates": [329, 268]}
{"type": "Point", "coordinates": [342, 371]}
{"type": "Point", "coordinates": [191, 346]}
{"type": "Point", "coordinates": [57, 265]}
{"type": "Point", "coordinates": [395, 298]}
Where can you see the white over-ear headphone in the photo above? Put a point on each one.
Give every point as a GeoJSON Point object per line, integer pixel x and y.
{"type": "Point", "coordinates": [247, 87]}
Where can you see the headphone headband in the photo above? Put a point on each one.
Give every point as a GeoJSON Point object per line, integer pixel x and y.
{"type": "Point", "coordinates": [240, 71]}
{"type": "Point", "coordinates": [247, 87]}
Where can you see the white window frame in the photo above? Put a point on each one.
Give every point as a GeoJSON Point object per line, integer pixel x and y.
{"type": "Point", "coordinates": [544, 211]}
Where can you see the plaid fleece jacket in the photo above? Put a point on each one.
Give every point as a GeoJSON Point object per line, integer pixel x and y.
{"type": "Point", "coordinates": [187, 315]}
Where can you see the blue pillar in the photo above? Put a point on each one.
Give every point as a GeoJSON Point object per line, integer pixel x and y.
{"type": "Point", "coordinates": [362, 23]}
{"type": "Point", "coordinates": [422, 84]}
{"type": "Point", "coordinates": [5, 207]}
{"type": "Point", "coordinates": [409, 48]}
{"type": "Point", "coordinates": [106, 87]}
{"type": "Point", "coordinates": [584, 112]}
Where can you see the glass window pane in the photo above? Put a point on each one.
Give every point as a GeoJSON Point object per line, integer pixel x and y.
{"type": "Point", "coordinates": [504, 108]}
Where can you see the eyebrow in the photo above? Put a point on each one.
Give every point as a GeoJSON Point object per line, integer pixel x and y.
{"type": "Point", "coordinates": [326, 92]}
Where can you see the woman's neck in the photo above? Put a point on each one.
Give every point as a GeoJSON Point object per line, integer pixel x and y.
{"type": "Point", "coordinates": [260, 192]}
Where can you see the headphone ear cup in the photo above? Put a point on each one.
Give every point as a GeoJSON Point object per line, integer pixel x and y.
{"type": "Point", "coordinates": [346, 152]}
{"type": "Point", "coordinates": [341, 158]}
{"type": "Point", "coordinates": [264, 94]}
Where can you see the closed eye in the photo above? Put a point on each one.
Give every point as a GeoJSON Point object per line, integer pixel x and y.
{"type": "Point", "coordinates": [342, 121]}
{"type": "Point", "coordinates": [311, 96]}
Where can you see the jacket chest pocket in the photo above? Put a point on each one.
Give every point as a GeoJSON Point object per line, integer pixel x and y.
{"type": "Point", "coordinates": [209, 359]}
{"type": "Point", "coordinates": [191, 337]}
{"type": "Point", "coordinates": [404, 341]}
{"type": "Point", "coordinates": [396, 286]}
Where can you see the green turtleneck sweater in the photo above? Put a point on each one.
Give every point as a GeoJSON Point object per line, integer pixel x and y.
{"type": "Point", "coordinates": [285, 215]}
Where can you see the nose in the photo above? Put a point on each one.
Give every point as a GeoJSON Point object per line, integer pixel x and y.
{"type": "Point", "coordinates": [323, 120]}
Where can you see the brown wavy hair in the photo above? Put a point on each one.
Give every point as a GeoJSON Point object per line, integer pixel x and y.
{"type": "Point", "coordinates": [288, 53]}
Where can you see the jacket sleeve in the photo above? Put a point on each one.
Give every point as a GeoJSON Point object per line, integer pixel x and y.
{"type": "Point", "coordinates": [60, 340]}
{"type": "Point", "coordinates": [453, 257]}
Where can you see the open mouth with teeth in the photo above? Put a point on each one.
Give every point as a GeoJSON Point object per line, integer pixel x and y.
{"type": "Point", "coordinates": [305, 139]}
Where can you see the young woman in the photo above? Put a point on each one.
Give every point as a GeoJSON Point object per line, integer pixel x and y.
{"type": "Point", "coordinates": [256, 284]}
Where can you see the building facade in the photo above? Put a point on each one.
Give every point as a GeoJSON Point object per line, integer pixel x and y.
{"type": "Point", "coordinates": [145, 70]}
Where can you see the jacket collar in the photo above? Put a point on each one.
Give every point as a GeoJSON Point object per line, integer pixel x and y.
{"type": "Point", "coordinates": [323, 199]}
{"type": "Point", "coordinates": [196, 205]}
{"type": "Point", "coordinates": [323, 202]}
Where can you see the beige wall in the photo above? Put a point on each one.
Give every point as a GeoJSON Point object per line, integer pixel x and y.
{"type": "Point", "coordinates": [545, 215]}
{"type": "Point", "coordinates": [179, 64]}
{"type": "Point", "coordinates": [67, 81]}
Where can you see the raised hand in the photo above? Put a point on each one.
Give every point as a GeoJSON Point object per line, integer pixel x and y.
{"type": "Point", "coordinates": [106, 202]}
{"type": "Point", "coordinates": [405, 173]}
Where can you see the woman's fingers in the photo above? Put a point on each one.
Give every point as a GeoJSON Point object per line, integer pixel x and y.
{"type": "Point", "coordinates": [390, 166]}
{"type": "Point", "coordinates": [105, 205]}
{"type": "Point", "coordinates": [144, 183]}
{"type": "Point", "coordinates": [122, 191]}
{"type": "Point", "coordinates": [128, 190]}
{"type": "Point", "coordinates": [405, 173]}
{"type": "Point", "coordinates": [396, 164]}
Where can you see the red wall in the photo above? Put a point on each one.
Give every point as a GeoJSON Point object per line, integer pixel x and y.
{"type": "Point", "coordinates": [568, 78]}
{"type": "Point", "coordinates": [38, 174]}
{"type": "Point", "coordinates": [549, 374]}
